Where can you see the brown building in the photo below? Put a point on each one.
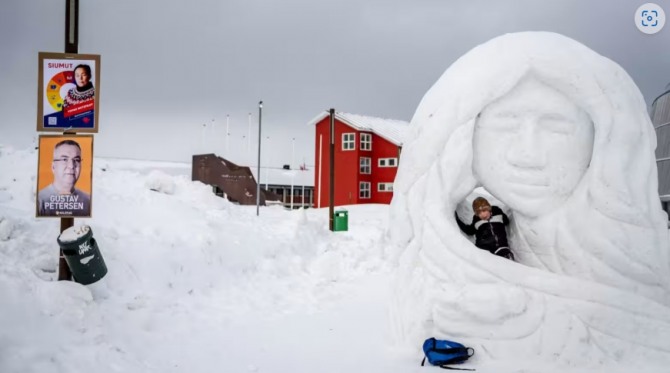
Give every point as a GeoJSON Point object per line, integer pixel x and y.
{"type": "Point", "coordinates": [229, 180]}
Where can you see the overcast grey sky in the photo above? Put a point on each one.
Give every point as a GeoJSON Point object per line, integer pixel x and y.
{"type": "Point", "coordinates": [169, 66]}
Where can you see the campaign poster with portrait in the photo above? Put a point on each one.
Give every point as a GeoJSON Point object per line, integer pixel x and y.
{"type": "Point", "coordinates": [68, 92]}
{"type": "Point", "coordinates": [64, 176]}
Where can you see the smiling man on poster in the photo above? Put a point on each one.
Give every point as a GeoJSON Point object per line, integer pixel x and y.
{"type": "Point", "coordinates": [61, 197]}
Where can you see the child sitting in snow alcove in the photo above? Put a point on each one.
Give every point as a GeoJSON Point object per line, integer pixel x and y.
{"type": "Point", "coordinates": [489, 228]}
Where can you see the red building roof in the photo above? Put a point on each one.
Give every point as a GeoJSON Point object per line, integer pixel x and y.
{"type": "Point", "coordinates": [392, 130]}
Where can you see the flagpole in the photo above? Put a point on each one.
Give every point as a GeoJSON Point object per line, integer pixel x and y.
{"type": "Point", "coordinates": [249, 140]}
{"type": "Point", "coordinates": [227, 136]}
{"type": "Point", "coordinates": [303, 168]}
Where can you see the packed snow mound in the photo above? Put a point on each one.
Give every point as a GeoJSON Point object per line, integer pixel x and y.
{"type": "Point", "coordinates": [161, 182]}
{"type": "Point", "coordinates": [559, 135]}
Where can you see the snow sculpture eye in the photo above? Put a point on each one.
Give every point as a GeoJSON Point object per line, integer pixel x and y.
{"type": "Point", "coordinates": [556, 123]}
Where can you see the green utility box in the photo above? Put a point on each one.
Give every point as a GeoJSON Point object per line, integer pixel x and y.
{"type": "Point", "coordinates": [82, 254]}
{"type": "Point", "coordinates": [341, 221]}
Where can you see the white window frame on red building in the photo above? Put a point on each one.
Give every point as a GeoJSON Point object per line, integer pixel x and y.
{"type": "Point", "coordinates": [364, 191]}
{"type": "Point", "coordinates": [365, 165]}
{"type": "Point", "coordinates": [385, 187]}
{"type": "Point", "coordinates": [386, 162]}
{"type": "Point", "coordinates": [366, 141]}
{"type": "Point", "coordinates": [349, 144]}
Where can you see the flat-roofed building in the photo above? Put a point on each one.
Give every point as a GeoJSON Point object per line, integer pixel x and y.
{"type": "Point", "coordinates": [660, 117]}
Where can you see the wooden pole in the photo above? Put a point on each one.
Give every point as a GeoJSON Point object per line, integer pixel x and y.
{"type": "Point", "coordinates": [71, 26]}
{"type": "Point", "coordinates": [71, 46]}
{"type": "Point", "coordinates": [64, 273]}
{"type": "Point", "coordinates": [331, 208]}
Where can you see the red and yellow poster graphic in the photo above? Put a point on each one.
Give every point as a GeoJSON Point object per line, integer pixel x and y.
{"type": "Point", "coordinates": [68, 92]}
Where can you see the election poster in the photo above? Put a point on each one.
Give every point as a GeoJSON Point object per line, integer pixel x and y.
{"type": "Point", "coordinates": [64, 176]}
{"type": "Point", "coordinates": [68, 92]}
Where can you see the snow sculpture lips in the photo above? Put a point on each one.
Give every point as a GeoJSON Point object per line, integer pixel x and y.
{"type": "Point", "coordinates": [561, 136]}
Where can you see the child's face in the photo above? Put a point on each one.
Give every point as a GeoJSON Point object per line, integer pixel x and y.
{"type": "Point", "coordinates": [484, 214]}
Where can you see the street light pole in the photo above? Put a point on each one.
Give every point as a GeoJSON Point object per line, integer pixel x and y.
{"type": "Point", "coordinates": [258, 169]}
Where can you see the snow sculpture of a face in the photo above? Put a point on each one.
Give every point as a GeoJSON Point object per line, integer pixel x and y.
{"type": "Point", "coordinates": [531, 147]}
{"type": "Point", "coordinates": [561, 136]}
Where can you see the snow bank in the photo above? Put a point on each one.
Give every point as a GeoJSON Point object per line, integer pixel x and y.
{"type": "Point", "coordinates": [160, 182]}
{"type": "Point", "coordinates": [194, 282]}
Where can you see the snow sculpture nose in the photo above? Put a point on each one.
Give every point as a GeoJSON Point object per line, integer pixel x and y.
{"type": "Point", "coordinates": [526, 151]}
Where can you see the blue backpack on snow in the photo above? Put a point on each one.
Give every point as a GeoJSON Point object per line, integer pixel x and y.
{"type": "Point", "coordinates": [441, 352]}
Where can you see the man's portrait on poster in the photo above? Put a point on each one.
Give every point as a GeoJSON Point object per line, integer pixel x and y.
{"type": "Point", "coordinates": [61, 197]}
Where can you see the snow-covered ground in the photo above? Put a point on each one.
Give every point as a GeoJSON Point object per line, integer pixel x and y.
{"type": "Point", "coordinates": [197, 284]}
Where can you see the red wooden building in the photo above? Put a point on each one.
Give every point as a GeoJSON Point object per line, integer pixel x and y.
{"type": "Point", "coordinates": [367, 150]}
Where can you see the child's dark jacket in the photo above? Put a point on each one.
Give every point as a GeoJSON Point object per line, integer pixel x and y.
{"type": "Point", "coordinates": [489, 234]}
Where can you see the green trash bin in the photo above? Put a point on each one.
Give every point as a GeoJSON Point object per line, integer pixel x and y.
{"type": "Point", "coordinates": [341, 221]}
{"type": "Point", "coordinates": [82, 254]}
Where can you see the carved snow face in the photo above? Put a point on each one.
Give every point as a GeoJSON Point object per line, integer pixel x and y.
{"type": "Point", "coordinates": [532, 147]}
